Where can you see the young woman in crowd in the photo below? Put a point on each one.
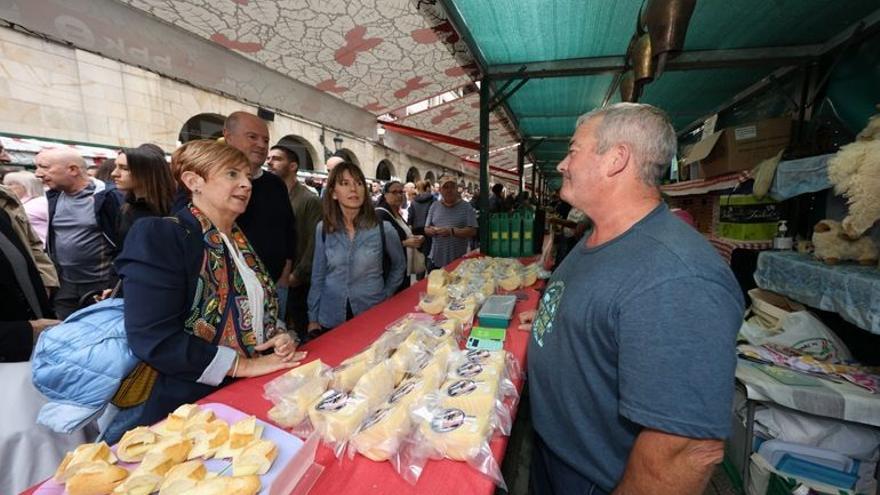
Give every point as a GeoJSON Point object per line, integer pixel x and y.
{"type": "Point", "coordinates": [145, 178]}
{"type": "Point", "coordinates": [351, 272]}
{"type": "Point", "coordinates": [205, 308]}
{"type": "Point", "coordinates": [388, 210]}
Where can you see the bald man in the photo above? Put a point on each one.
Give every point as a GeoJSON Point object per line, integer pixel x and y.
{"type": "Point", "coordinates": [82, 236]}
{"type": "Point", "coordinates": [268, 221]}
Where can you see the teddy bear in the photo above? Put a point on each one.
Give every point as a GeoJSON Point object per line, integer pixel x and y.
{"type": "Point", "coordinates": [830, 246]}
{"type": "Point", "coordinates": [855, 173]}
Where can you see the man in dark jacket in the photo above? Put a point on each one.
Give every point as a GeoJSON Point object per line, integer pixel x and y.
{"type": "Point", "coordinates": [24, 308]}
{"type": "Point", "coordinates": [82, 238]}
{"type": "Point", "coordinates": [418, 213]}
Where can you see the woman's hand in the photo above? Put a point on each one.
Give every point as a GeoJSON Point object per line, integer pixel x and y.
{"type": "Point", "coordinates": [414, 241]}
{"type": "Point", "coordinates": [283, 345]}
{"type": "Point", "coordinates": [259, 366]}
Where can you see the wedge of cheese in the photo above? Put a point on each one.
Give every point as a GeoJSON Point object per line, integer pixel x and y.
{"type": "Point", "coordinates": [476, 398]}
{"type": "Point", "coordinates": [376, 385]}
{"type": "Point", "coordinates": [82, 455]}
{"type": "Point", "coordinates": [241, 434]}
{"type": "Point", "coordinates": [183, 477]}
{"type": "Point", "coordinates": [462, 310]}
{"type": "Point", "coordinates": [346, 375]}
{"type": "Point", "coordinates": [337, 415]}
{"type": "Point", "coordinates": [379, 436]}
{"type": "Point", "coordinates": [433, 304]}
{"type": "Point", "coordinates": [207, 438]}
{"type": "Point", "coordinates": [135, 443]}
{"type": "Point", "coordinates": [437, 281]}
{"type": "Point", "coordinates": [256, 458]}
{"type": "Point", "coordinates": [455, 434]}
{"type": "Point", "coordinates": [292, 409]}
{"type": "Point", "coordinates": [474, 371]}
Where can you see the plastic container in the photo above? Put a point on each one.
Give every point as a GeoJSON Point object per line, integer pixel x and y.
{"type": "Point", "coordinates": [801, 468]}
{"type": "Point", "coordinates": [497, 311]}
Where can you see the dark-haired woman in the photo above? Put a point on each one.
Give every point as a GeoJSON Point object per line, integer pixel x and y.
{"type": "Point", "coordinates": [145, 177]}
{"type": "Point", "coordinates": [388, 210]}
{"type": "Point", "coordinates": [350, 270]}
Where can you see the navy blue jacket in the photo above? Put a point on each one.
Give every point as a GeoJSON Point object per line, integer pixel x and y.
{"type": "Point", "coordinates": [107, 204]}
{"type": "Point", "coordinates": [159, 267]}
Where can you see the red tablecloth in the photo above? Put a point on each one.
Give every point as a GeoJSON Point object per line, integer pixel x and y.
{"type": "Point", "coordinates": [362, 475]}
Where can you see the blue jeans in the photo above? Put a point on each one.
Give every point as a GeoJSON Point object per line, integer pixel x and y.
{"type": "Point", "coordinates": [124, 420]}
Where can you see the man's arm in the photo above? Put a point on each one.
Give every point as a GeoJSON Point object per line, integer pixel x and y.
{"type": "Point", "coordinates": [662, 463]}
{"type": "Point", "coordinates": [464, 232]}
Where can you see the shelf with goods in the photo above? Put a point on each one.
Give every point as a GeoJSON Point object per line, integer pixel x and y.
{"type": "Point", "coordinates": [852, 292]}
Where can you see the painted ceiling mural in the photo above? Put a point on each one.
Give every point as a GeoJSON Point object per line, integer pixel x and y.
{"type": "Point", "coordinates": [380, 55]}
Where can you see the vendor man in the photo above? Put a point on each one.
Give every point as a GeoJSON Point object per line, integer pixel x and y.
{"type": "Point", "coordinates": [631, 359]}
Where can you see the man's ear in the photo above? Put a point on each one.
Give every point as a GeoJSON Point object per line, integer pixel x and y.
{"type": "Point", "coordinates": [192, 180]}
{"type": "Point", "coordinates": [620, 156]}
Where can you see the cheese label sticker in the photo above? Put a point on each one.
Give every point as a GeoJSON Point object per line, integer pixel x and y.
{"type": "Point", "coordinates": [374, 418]}
{"type": "Point", "coordinates": [469, 369]}
{"type": "Point", "coordinates": [478, 355]}
{"type": "Point", "coordinates": [461, 387]}
{"type": "Point", "coordinates": [448, 420]}
{"type": "Point", "coordinates": [332, 401]}
{"type": "Point", "coordinates": [456, 305]}
{"type": "Point", "coordinates": [402, 391]}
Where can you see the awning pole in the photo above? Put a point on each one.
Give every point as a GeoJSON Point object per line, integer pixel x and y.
{"type": "Point", "coordinates": [484, 165]}
{"type": "Point", "coordinates": [520, 164]}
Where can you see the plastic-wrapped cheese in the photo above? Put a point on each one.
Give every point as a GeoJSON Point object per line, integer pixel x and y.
{"type": "Point", "coordinates": [475, 397]}
{"type": "Point", "coordinates": [375, 385]}
{"type": "Point", "coordinates": [337, 414]}
{"type": "Point", "coordinates": [437, 281]}
{"type": "Point", "coordinates": [455, 434]}
{"type": "Point", "coordinates": [496, 360]}
{"type": "Point", "coordinates": [292, 409]}
{"type": "Point", "coordinates": [474, 371]}
{"type": "Point", "coordinates": [530, 276]}
{"type": "Point", "coordinates": [511, 281]}
{"type": "Point", "coordinates": [378, 438]}
{"type": "Point", "coordinates": [460, 310]}
{"type": "Point", "coordinates": [309, 370]}
{"type": "Point", "coordinates": [346, 375]}
{"type": "Point", "coordinates": [433, 303]}
{"type": "Point", "coordinates": [409, 391]}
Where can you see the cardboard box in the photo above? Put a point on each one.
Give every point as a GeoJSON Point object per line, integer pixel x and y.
{"type": "Point", "coordinates": [744, 217]}
{"type": "Point", "coordinates": [737, 148]}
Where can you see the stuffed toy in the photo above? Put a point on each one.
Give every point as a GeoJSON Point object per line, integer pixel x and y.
{"type": "Point", "coordinates": [830, 246]}
{"type": "Point", "coordinates": [855, 173]}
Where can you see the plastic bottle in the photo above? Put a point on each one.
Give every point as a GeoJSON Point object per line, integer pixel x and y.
{"type": "Point", "coordinates": [781, 241]}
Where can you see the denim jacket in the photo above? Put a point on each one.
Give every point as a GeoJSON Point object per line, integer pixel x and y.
{"type": "Point", "coordinates": [351, 270]}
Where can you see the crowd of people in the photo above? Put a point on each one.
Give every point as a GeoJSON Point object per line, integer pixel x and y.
{"type": "Point", "coordinates": [225, 259]}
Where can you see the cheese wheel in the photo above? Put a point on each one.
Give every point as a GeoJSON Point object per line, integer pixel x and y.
{"type": "Point", "coordinates": [376, 385]}
{"type": "Point", "coordinates": [475, 397]}
{"type": "Point", "coordinates": [337, 415]}
{"type": "Point", "coordinates": [379, 436]}
{"type": "Point", "coordinates": [455, 434]}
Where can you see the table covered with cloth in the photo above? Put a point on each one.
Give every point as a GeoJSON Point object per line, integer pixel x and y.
{"type": "Point", "coordinates": [361, 475]}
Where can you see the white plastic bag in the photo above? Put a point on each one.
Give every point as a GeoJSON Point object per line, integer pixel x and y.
{"type": "Point", "coordinates": [806, 333]}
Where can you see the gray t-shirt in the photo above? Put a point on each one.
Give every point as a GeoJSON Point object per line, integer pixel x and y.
{"type": "Point", "coordinates": [81, 251]}
{"type": "Point", "coordinates": [636, 333]}
{"type": "Point", "coordinates": [459, 215]}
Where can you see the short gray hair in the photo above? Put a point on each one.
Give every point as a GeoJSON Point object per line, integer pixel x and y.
{"type": "Point", "coordinates": [31, 184]}
{"type": "Point", "coordinates": [645, 128]}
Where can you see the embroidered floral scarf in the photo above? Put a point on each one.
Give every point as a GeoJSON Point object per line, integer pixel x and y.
{"type": "Point", "coordinates": [220, 312]}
